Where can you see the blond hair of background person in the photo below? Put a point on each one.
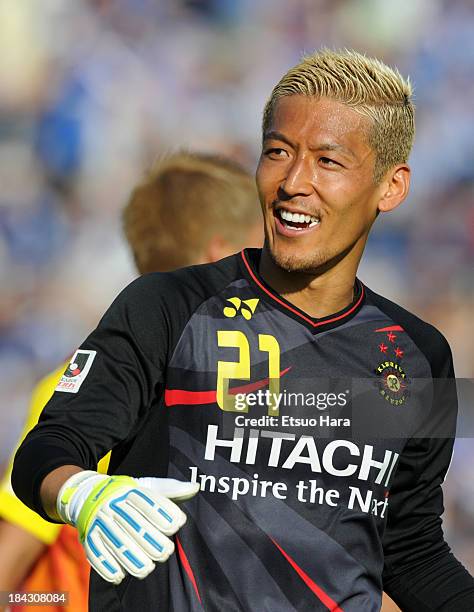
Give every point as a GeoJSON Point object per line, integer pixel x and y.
{"type": "Point", "coordinates": [212, 200]}
{"type": "Point", "coordinates": [190, 208]}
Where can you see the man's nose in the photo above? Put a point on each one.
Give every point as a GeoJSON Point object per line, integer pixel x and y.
{"type": "Point", "coordinates": [299, 180]}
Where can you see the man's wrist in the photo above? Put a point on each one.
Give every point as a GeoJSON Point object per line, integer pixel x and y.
{"type": "Point", "coordinates": [51, 485]}
{"type": "Point", "coordinates": [74, 492]}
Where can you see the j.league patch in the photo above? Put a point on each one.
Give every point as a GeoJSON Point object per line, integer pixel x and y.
{"type": "Point", "coordinates": [76, 371]}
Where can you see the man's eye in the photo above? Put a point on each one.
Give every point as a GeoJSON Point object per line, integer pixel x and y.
{"type": "Point", "coordinates": [326, 161]}
{"type": "Point", "coordinates": [276, 153]}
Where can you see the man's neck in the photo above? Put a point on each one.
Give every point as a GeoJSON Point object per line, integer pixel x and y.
{"type": "Point", "coordinates": [318, 295]}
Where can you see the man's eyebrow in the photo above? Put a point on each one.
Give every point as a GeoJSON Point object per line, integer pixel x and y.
{"type": "Point", "coordinates": [331, 146]}
{"type": "Point", "coordinates": [275, 135]}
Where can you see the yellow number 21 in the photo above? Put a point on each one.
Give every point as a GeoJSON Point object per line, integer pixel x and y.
{"type": "Point", "coordinates": [240, 370]}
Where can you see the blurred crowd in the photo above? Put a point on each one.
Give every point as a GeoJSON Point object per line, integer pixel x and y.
{"type": "Point", "coordinates": [92, 91]}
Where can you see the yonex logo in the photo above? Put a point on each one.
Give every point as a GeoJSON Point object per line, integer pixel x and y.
{"type": "Point", "coordinates": [245, 307]}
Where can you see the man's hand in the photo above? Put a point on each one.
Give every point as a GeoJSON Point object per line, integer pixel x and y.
{"type": "Point", "coordinates": [124, 523]}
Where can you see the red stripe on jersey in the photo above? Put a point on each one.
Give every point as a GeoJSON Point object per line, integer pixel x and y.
{"type": "Point", "coordinates": [390, 328]}
{"type": "Point", "coordinates": [318, 591]}
{"type": "Point", "coordinates": [297, 312]}
{"type": "Point", "coordinates": [180, 396]}
{"type": "Point", "coordinates": [187, 567]}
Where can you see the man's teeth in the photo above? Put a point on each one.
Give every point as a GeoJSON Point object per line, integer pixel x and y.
{"type": "Point", "coordinates": [286, 215]}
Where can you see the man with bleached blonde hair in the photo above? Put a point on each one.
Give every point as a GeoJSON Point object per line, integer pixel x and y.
{"type": "Point", "coordinates": [314, 417]}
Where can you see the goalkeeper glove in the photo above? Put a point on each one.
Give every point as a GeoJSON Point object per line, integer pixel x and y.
{"type": "Point", "coordinates": [124, 523]}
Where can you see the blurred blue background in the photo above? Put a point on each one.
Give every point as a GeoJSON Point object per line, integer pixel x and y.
{"type": "Point", "coordinates": [92, 91]}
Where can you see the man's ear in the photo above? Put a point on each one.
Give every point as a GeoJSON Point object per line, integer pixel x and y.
{"type": "Point", "coordinates": [396, 186]}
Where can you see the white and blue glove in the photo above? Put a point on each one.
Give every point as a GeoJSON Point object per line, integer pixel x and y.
{"type": "Point", "coordinates": [124, 523]}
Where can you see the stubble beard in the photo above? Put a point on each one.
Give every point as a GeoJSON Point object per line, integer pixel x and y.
{"type": "Point", "coordinates": [309, 264]}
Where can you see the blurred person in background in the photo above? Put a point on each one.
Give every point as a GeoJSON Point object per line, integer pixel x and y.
{"type": "Point", "coordinates": [191, 208]}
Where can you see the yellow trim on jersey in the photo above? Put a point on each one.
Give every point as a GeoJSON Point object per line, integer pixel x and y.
{"type": "Point", "coordinates": [11, 508]}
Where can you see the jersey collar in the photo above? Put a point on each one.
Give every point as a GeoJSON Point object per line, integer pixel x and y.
{"type": "Point", "coordinates": [250, 258]}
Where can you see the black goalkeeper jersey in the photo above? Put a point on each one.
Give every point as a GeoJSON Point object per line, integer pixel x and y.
{"type": "Point", "coordinates": [320, 444]}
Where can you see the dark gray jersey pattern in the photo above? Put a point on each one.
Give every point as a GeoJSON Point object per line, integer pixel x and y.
{"type": "Point", "coordinates": [320, 444]}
